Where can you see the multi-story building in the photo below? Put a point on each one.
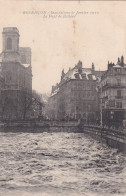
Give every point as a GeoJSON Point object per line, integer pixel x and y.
{"type": "Point", "coordinates": [1, 88]}
{"type": "Point", "coordinates": [112, 89]}
{"type": "Point", "coordinates": [16, 70]}
{"type": "Point", "coordinates": [76, 95]}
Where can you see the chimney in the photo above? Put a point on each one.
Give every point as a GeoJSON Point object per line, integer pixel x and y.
{"type": "Point", "coordinates": [93, 67]}
{"type": "Point", "coordinates": [118, 62]}
{"type": "Point", "coordinates": [110, 65]}
{"type": "Point", "coordinates": [79, 66]}
{"type": "Point", "coordinates": [122, 61]}
{"type": "Point", "coordinates": [62, 74]}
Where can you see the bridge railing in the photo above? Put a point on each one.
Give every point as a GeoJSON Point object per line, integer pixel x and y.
{"type": "Point", "coordinates": [107, 131]}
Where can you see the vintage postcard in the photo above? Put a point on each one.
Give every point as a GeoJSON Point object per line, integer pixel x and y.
{"type": "Point", "coordinates": [62, 98]}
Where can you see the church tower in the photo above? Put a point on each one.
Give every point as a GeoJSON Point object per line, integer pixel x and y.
{"type": "Point", "coordinates": [17, 74]}
{"type": "Point", "coordinates": [10, 44]}
{"type": "Point", "coordinates": [10, 57]}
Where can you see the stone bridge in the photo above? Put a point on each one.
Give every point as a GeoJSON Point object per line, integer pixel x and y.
{"type": "Point", "coordinates": [113, 137]}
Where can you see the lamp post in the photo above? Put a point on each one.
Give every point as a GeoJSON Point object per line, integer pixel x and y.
{"type": "Point", "coordinates": [101, 112]}
{"type": "Point", "coordinates": [75, 114]}
{"type": "Point", "coordinates": [101, 115]}
{"type": "Point", "coordinates": [99, 90]}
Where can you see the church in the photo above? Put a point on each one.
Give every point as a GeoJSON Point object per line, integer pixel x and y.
{"type": "Point", "coordinates": [15, 76]}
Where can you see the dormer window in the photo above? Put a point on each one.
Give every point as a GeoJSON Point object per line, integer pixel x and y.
{"type": "Point", "coordinates": [76, 76]}
{"type": "Point", "coordinates": [83, 75]}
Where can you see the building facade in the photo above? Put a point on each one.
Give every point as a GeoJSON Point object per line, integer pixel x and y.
{"type": "Point", "coordinates": [76, 96]}
{"type": "Point", "coordinates": [112, 90]}
{"type": "Point", "coordinates": [17, 73]}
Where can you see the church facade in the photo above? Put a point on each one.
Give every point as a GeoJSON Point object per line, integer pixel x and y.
{"type": "Point", "coordinates": [16, 74]}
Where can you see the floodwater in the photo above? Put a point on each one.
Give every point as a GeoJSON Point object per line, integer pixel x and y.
{"type": "Point", "coordinates": [59, 164]}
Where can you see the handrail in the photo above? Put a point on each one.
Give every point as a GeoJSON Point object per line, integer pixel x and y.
{"type": "Point", "coordinates": [120, 134]}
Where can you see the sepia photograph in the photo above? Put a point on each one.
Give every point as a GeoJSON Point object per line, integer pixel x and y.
{"type": "Point", "coordinates": [62, 98]}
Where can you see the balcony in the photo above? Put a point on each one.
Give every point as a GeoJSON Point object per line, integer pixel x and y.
{"type": "Point", "coordinates": [119, 97]}
{"type": "Point", "coordinates": [109, 85]}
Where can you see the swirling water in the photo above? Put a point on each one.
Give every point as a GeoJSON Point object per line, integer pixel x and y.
{"type": "Point", "coordinates": [59, 164]}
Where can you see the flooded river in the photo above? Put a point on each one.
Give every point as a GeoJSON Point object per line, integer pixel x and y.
{"type": "Point", "coordinates": [59, 164]}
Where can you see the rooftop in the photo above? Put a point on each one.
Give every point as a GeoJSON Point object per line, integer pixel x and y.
{"type": "Point", "coordinates": [10, 29]}
{"type": "Point", "coordinates": [24, 49]}
{"type": "Point", "coordinates": [78, 72]}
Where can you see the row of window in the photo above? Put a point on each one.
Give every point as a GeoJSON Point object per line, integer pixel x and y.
{"type": "Point", "coordinates": [114, 104]}
{"type": "Point", "coordinates": [82, 84]}
{"type": "Point", "coordinates": [119, 94]}
{"type": "Point", "coordinates": [118, 82]}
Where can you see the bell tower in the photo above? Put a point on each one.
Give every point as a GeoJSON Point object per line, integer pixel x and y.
{"type": "Point", "coordinates": [10, 44]}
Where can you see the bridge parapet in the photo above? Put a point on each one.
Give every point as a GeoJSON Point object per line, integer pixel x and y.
{"type": "Point", "coordinates": [113, 137]}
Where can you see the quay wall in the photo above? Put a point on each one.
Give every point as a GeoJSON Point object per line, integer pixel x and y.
{"type": "Point", "coordinates": [112, 137]}
{"type": "Point", "coordinates": [44, 126]}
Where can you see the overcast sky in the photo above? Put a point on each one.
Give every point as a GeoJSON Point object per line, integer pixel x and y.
{"type": "Point", "coordinates": [59, 43]}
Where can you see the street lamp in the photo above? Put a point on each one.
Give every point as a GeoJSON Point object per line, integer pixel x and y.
{"type": "Point", "coordinates": [101, 112]}
{"type": "Point", "coordinates": [75, 114]}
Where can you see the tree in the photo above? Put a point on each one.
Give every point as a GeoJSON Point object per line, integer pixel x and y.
{"type": "Point", "coordinates": [26, 102]}
{"type": "Point", "coordinates": [20, 104]}
{"type": "Point", "coordinates": [37, 104]}
{"type": "Point", "coordinates": [8, 104]}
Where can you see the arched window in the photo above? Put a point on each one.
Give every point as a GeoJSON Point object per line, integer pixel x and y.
{"type": "Point", "coordinates": [9, 43]}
